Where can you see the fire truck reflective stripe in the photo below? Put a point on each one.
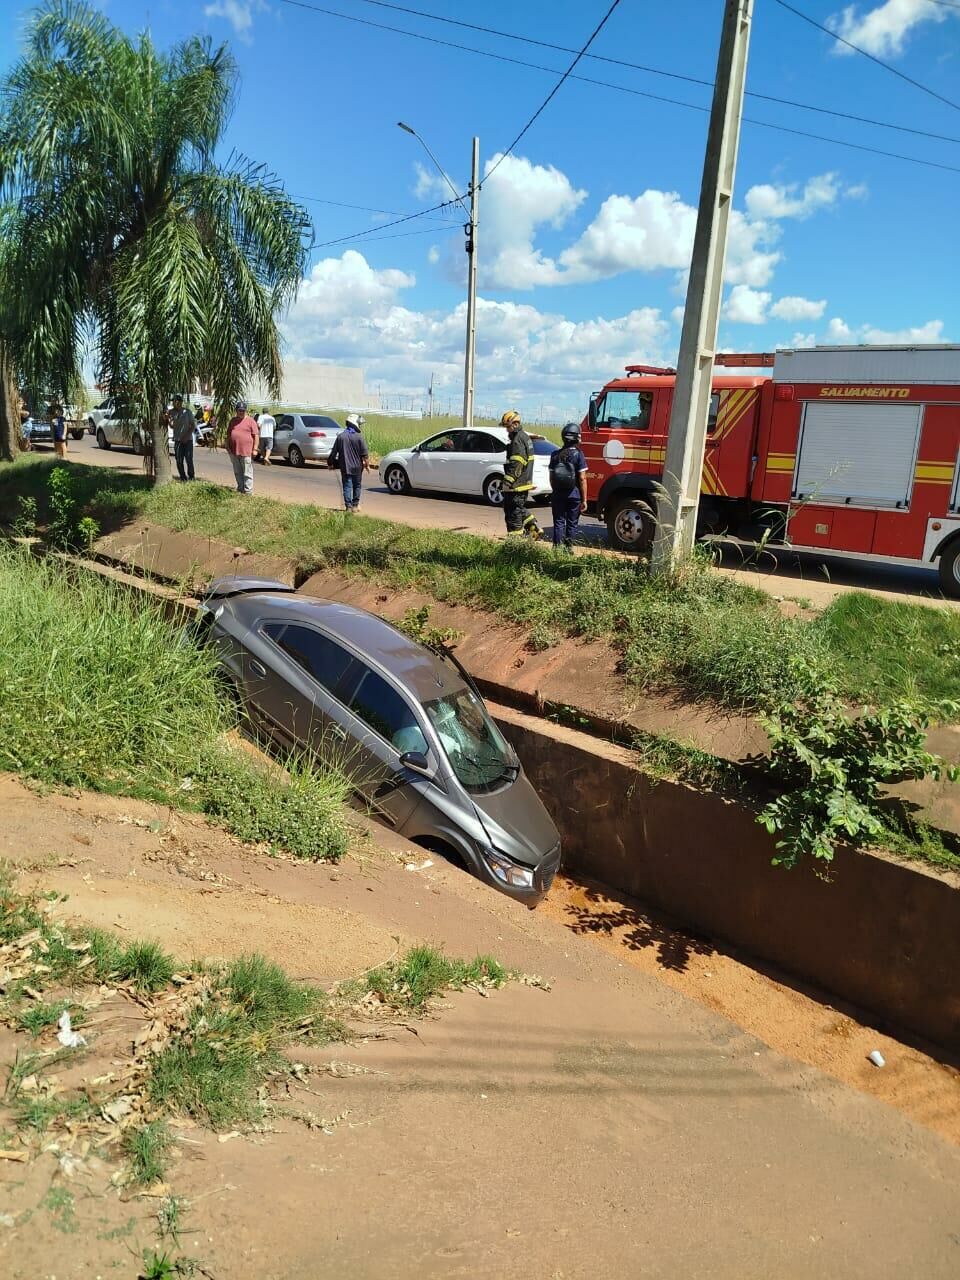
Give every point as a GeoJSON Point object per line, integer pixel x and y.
{"type": "Point", "coordinates": [732, 410]}
{"type": "Point", "coordinates": [781, 461]}
{"type": "Point", "coordinates": [710, 481]}
{"type": "Point", "coordinates": [934, 472]}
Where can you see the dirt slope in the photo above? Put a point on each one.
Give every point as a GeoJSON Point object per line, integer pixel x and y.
{"type": "Point", "coordinates": [609, 1127]}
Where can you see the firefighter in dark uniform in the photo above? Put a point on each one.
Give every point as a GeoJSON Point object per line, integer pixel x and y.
{"type": "Point", "coordinates": [518, 479]}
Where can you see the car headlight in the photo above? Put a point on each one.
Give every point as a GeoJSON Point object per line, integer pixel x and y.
{"type": "Point", "coordinates": [507, 871]}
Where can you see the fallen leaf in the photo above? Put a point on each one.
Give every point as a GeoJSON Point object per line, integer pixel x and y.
{"type": "Point", "coordinates": [20, 1156]}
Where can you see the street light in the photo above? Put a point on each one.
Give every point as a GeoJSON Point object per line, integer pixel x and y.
{"type": "Point", "coordinates": [471, 246]}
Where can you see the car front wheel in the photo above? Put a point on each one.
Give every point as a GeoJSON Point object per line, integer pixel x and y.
{"type": "Point", "coordinates": [493, 490]}
{"type": "Point", "coordinates": [397, 480]}
{"type": "Point", "coordinates": [137, 444]}
{"type": "Point", "coordinates": [102, 440]}
{"type": "Point", "coordinates": [295, 457]}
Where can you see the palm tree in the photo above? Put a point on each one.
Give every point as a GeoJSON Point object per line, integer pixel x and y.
{"type": "Point", "coordinates": [128, 234]}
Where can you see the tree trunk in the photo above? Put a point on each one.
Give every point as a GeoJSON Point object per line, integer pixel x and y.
{"type": "Point", "coordinates": [9, 407]}
{"type": "Point", "coordinates": [160, 460]}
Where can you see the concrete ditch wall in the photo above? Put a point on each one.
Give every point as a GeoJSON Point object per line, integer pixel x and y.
{"type": "Point", "coordinates": [880, 934]}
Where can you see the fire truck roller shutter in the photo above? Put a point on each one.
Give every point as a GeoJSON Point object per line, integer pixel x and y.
{"type": "Point", "coordinates": [857, 454]}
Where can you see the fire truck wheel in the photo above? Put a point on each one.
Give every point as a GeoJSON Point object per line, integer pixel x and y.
{"type": "Point", "coordinates": [950, 568]}
{"type": "Point", "coordinates": [631, 524]}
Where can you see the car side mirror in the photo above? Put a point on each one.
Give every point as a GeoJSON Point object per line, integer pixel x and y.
{"type": "Point", "coordinates": [416, 761]}
{"type": "Point", "coordinates": [592, 413]}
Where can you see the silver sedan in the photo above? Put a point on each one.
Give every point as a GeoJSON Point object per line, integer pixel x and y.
{"type": "Point", "coordinates": [304, 437]}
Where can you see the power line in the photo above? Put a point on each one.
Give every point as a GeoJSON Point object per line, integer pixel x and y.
{"type": "Point", "coordinates": [396, 222]}
{"type": "Point", "coordinates": [606, 84]}
{"type": "Point", "coordinates": [364, 208]}
{"type": "Point", "coordinates": [658, 71]}
{"type": "Point", "coordinates": [596, 31]}
{"type": "Point", "coordinates": [400, 235]}
{"type": "Point", "coordinates": [856, 48]}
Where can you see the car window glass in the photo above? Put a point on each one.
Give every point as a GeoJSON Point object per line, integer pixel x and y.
{"type": "Point", "coordinates": [284, 422]}
{"type": "Point", "coordinates": [626, 409]}
{"type": "Point", "coordinates": [387, 712]}
{"type": "Point", "coordinates": [449, 442]}
{"type": "Point", "coordinates": [544, 448]}
{"type": "Point", "coordinates": [714, 411]}
{"type": "Point", "coordinates": [319, 656]}
{"type": "Point", "coordinates": [478, 442]}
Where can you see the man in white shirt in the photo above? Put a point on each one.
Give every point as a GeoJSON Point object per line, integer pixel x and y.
{"type": "Point", "coordinates": [267, 424]}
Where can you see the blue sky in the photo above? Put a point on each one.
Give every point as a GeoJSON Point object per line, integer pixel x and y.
{"type": "Point", "coordinates": [585, 231]}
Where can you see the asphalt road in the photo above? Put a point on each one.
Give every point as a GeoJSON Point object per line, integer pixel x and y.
{"type": "Point", "coordinates": [799, 575]}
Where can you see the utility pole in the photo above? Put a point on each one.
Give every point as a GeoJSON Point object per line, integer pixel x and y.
{"type": "Point", "coordinates": [471, 246]}
{"type": "Point", "coordinates": [683, 466]}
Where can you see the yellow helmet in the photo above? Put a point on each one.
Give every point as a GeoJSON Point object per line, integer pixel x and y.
{"type": "Point", "coordinates": [510, 419]}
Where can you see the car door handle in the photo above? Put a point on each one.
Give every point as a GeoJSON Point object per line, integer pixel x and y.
{"type": "Point", "coordinates": [257, 667]}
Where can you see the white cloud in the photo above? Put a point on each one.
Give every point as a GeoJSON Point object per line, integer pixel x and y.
{"type": "Point", "coordinates": [433, 255]}
{"type": "Point", "coordinates": [676, 315]}
{"type": "Point", "coordinates": [349, 312]}
{"type": "Point", "coordinates": [518, 199]}
{"type": "Point", "coordinates": [746, 305]}
{"type": "Point", "coordinates": [794, 308]}
{"type": "Point", "coordinates": [239, 13]}
{"type": "Point", "coordinates": [801, 340]}
{"type": "Point", "coordinates": [767, 200]}
{"type": "Point", "coordinates": [883, 30]}
{"type": "Point", "coordinates": [838, 330]}
{"type": "Point", "coordinates": [932, 331]}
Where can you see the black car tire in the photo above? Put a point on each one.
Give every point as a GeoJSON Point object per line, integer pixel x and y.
{"type": "Point", "coordinates": [76, 433]}
{"type": "Point", "coordinates": [950, 569]}
{"type": "Point", "coordinates": [493, 490]}
{"type": "Point", "coordinates": [295, 457]}
{"type": "Point", "coordinates": [396, 479]}
{"type": "Point", "coordinates": [631, 524]}
{"type": "Point", "coordinates": [102, 440]}
{"type": "Point", "coordinates": [137, 444]}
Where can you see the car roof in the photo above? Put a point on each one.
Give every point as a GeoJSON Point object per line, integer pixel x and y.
{"type": "Point", "coordinates": [423, 672]}
{"type": "Point", "coordinates": [500, 433]}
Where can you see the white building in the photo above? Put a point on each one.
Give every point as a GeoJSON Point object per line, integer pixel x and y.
{"type": "Point", "coordinates": [311, 384]}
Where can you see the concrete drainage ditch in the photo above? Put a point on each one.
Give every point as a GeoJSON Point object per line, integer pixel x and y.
{"type": "Point", "coordinates": [881, 934]}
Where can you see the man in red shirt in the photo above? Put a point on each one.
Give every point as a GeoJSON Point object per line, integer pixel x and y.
{"type": "Point", "coordinates": [243, 441]}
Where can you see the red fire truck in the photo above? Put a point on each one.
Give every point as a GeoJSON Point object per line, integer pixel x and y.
{"type": "Point", "coordinates": [851, 450]}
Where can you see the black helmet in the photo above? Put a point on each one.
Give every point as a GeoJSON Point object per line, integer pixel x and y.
{"type": "Point", "coordinates": [570, 433]}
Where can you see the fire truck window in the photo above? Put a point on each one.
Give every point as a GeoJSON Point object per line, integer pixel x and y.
{"type": "Point", "coordinates": [631, 409]}
{"type": "Point", "coordinates": [714, 410]}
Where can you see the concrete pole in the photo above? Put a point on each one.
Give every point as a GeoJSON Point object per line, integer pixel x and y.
{"type": "Point", "coordinates": [471, 287]}
{"type": "Point", "coordinates": [683, 467]}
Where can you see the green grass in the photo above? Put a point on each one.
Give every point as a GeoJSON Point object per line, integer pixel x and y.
{"type": "Point", "coordinates": [147, 1150]}
{"type": "Point", "coordinates": [146, 965]}
{"type": "Point", "coordinates": [38, 1015]}
{"type": "Point", "coordinates": [701, 634]}
{"type": "Point", "coordinates": [424, 972]}
{"type": "Point", "coordinates": [106, 694]}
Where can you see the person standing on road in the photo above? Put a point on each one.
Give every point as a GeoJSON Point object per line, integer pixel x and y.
{"type": "Point", "coordinates": [183, 424]}
{"type": "Point", "coordinates": [518, 480]}
{"type": "Point", "coordinates": [242, 441]}
{"type": "Point", "coordinates": [568, 486]}
{"type": "Point", "coordinates": [351, 455]}
{"type": "Point", "coordinates": [59, 427]}
{"type": "Point", "coordinates": [266, 425]}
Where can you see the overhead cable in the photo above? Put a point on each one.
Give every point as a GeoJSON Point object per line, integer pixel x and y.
{"type": "Point", "coordinates": [606, 84]}
{"type": "Point", "coordinates": [596, 31]}
{"type": "Point", "coordinates": [873, 58]}
{"type": "Point", "coordinates": [659, 71]}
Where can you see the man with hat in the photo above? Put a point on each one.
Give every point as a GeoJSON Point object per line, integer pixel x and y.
{"type": "Point", "coordinates": [518, 479]}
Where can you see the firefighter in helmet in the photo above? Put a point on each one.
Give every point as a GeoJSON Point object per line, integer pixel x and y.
{"type": "Point", "coordinates": [518, 479]}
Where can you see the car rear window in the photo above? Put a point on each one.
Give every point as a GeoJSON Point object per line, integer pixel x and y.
{"type": "Point", "coordinates": [386, 711]}
{"type": "Point", "coordinates": [319, 656]}
{"type": "Point", "coordinates": [315, 422]}
{"type": "Point", "coordinates": [544, 448]}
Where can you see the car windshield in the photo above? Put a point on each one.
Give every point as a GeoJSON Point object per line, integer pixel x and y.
{"type": "Point", "coordinates": [477, 751]}
{"type": "Point", "coordinates": [544, 448]}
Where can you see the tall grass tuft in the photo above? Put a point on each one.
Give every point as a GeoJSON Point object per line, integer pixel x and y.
{"type": "Point", "coordinates": [100, 691]}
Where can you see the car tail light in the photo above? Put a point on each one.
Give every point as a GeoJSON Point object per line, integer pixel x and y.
{"type": "Point", "coordinates": [315, 434]}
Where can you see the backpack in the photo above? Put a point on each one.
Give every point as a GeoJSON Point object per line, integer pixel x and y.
{"type": "Point", "coordinates": [563, 473]}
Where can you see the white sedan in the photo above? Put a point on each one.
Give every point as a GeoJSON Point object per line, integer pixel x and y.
{"type": "Point", "coordinates": [462, 462]}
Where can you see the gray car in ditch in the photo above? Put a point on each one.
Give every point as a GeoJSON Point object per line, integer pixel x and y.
{"type": "Point", "coordinates": [405, 722]}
